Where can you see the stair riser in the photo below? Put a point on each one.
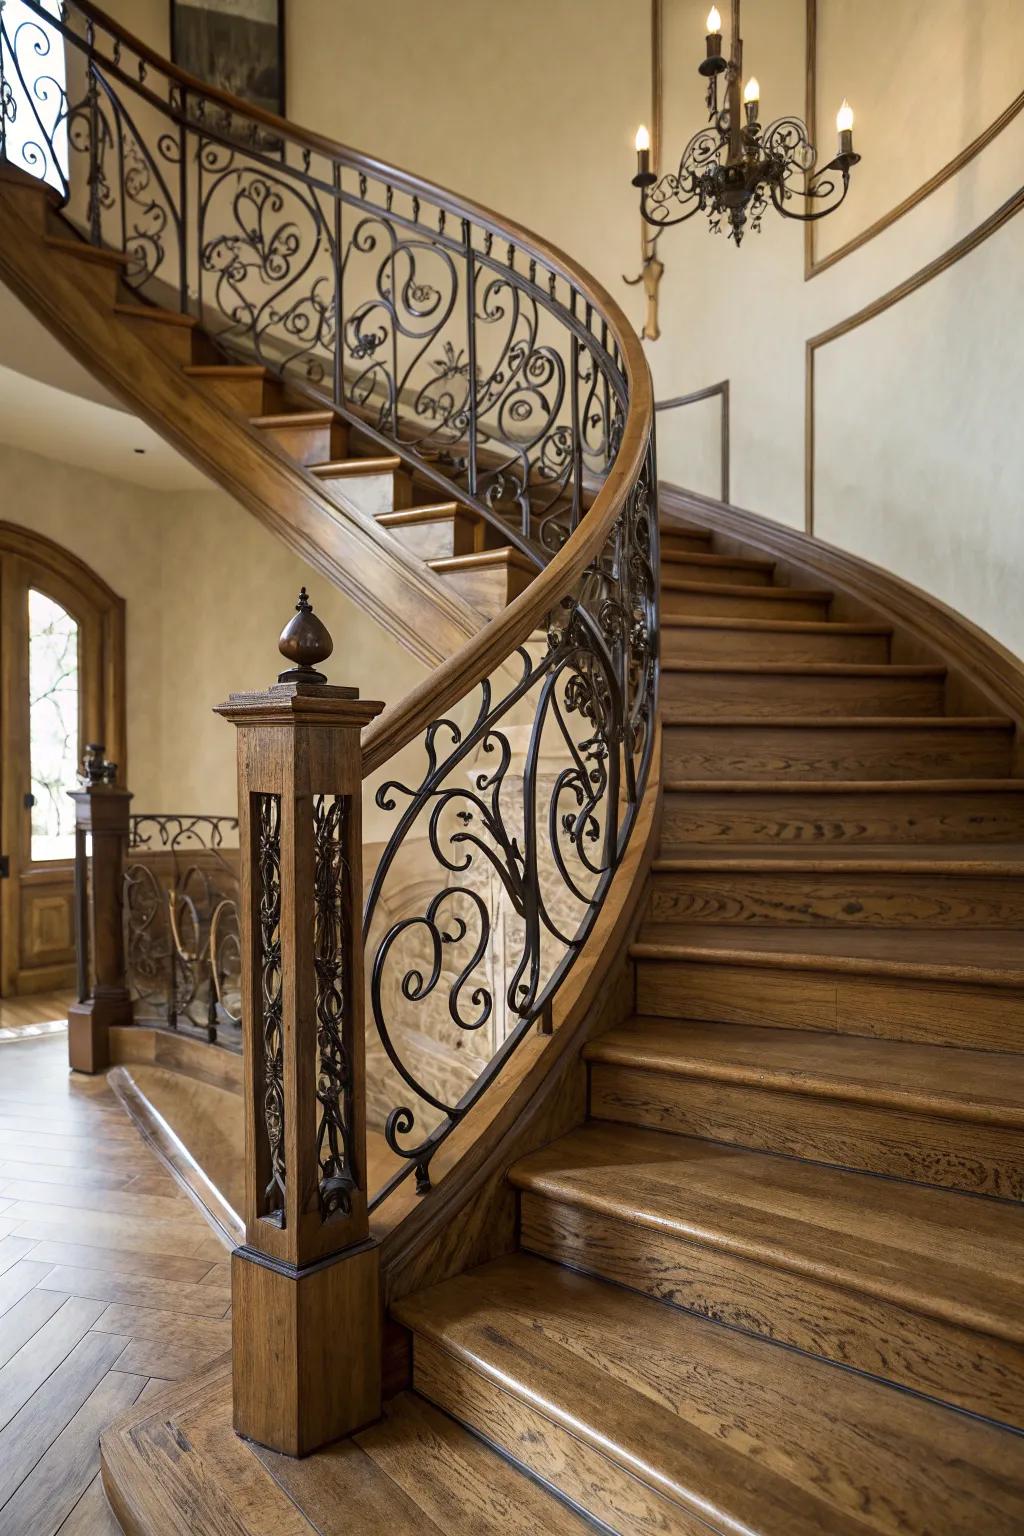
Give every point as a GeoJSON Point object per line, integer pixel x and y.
{"type": "Point", "coordinates": [725, 693]}
{"type": "Point", "coordinates": [32, 205]}
{"type": "Point", "coordinates": [838, 898]}
{"type": "Point", "coordinates": [825, 818]}
{"type": "Point", "coordinates": [835, 752]}
{"type": "Point", "coordinates": [684, 544]}
{"type": "Point", "coordinates": [954, 1154]}
{"type": "Point", "coordinates": [756, 645]}
{"type": "Point", "coordinates": [578, 1470]}
{"type": "Point", "coordinates": [887, 1008]}
{"type": "Point", "coordinates": [436, 541]}
{"type": "Point", "coordinates": [488, 589]}
{"type": "Point", "coordinates": [372, 494]}
{"type": "Point", "coordinates": [249, 397]}
{"type": "Point", "coordinates": [179, 344]}
{"type": "Point", "coordinates": [757, 604]}
{"type": "Point", "coordinates": [306, 445]}
{"type": "Point", "coordinates": [775, 1301]}
{"type": "Point", "coordinates": [677, 567]}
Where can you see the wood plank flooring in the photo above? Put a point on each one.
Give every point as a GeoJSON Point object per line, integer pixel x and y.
{"type": "Point", "coordinates": [40, 1014]}
{"type": "Point", "coordinates": [111, 1282]}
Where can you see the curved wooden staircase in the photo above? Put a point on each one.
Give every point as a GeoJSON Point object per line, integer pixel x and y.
{"type": "Point", "coordinates": [772, 1283]}
{"type": "Point", "coordinates": [758, 1269]}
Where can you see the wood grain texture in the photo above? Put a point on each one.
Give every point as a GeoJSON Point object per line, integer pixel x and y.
{"type": "Point", "coordinates": [690, 1413]}
{"type": "Point", "coordinates": [784, 688]}
{"type": "Point", "coordinates": [916, 1286]}
{"type": "Point", "coordinates": [712, 638]}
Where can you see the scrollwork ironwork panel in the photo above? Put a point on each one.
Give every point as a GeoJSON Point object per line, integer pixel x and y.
{"type": "Point", "coordinates": [332, 960]}
{"type": "Point", "coordinates": [515, 828]}
{"type": "Point", "coordinates": [269, 979]}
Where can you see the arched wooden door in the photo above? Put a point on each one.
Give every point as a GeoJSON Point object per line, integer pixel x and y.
{"type": "Point", "coordinates": [61, 686]}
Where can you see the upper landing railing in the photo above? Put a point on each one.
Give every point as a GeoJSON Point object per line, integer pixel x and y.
{"type": "Point", "coordinates": [452, 336]}
{"type": "Point", "coordinates": [504, 373]}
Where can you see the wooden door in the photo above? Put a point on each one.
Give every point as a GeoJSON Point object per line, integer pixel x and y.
{"type": "Point", "coordinates": [61, 686]}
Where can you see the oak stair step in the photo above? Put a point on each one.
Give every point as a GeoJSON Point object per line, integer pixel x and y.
{"type": "Point", "coordinates": [652, 1419]}
{"type": "Point", "coordinates": [958, 886]}
{"type": "Point", "coordinates": [787, 688]}
{"type": "Point", "coordinates": [711, 637]}
{"type": "Point", "coordinates": [683, 537]}
{"type": "Point", "coordinates": [489, 580]}
{"type": "Point", "coordinates": [723, 600]}
{"type": "Point", "coordinates": [747, 746]}
{"type": "Point", "coordinates": [918, 1286]}
{"type": "Point", "coordinates": [374, 484]}
{"type": "Point", "coordinates": [308, 437]}
{"type": "Point", "coordinates": [943, 987]}
{"type": "Point", "coordinates": [175, 336]}
{"type": "Point", "coordinates": [86, 252]}
{"type": "Point", "coordinates": [247, 387]}
{"type": "Point", "coordinates": [791, 813]}
{"type": "Point", "coordinates": [930, 1114]}
{"type": "Point", "coordinates": [706, 567]}
{"type": "Point", "coordinates": [435, 531]}
{"type": "Point", "coordinates": [177, 1467]}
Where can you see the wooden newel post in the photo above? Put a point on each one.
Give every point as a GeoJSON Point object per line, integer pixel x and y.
{"type": "Point", "coordinates": [305, 1288]}
{"type": "Point", "coordinates": [101, 818]}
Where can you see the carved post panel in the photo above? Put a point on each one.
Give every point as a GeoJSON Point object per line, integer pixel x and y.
{"type": "Point", "coordinates": [305, 1287]}
{"type": "Point", "coordinates": [101, 819]}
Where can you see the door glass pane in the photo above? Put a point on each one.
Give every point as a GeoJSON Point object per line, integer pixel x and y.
{"type": "Point", "coordinates": [53, 725]}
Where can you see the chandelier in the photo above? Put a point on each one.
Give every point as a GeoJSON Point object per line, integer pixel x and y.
{"type": "Point", "coordinates": [733, 168]}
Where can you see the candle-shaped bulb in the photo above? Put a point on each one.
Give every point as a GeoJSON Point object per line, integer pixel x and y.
{"type": "Point", "coordinates": [643, 139]}
{"type": "Point", "coordinates": [714, 21]}
{"type": "Point", "coordinates": [844, 117]}
{"type": "Point", "coordinates": [752, 91]}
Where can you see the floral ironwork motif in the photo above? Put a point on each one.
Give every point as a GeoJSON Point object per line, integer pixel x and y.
{"type": "Point", "coordinates": [526, 808]}
{"type": "Point", "coordinates": [267, 816]}
{"type": "Point", "coordinates": [180, 924]}
{"type": "Point", "coordinates": [332, 957]}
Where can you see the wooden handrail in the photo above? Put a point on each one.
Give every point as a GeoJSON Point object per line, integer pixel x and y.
{"type": "Point", "coordinates": [497, 641]}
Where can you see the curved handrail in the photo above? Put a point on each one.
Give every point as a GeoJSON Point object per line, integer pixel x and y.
{"type": "Point", "coordinates": [538, 414]}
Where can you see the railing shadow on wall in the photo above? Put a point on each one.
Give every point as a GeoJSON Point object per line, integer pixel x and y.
{"type": "Point", "coordinates": [720, 392]}
{"type": "Point", "coordinates": [505, 375]}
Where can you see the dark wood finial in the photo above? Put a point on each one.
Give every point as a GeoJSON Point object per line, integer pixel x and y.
{"type": "Point", "coordinates": [305, 640]}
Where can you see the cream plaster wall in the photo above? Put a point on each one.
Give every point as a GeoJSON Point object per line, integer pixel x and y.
{"type": "Point", "coordinates": [531, 108]}
{"type": "Point", "coordinates": [207, 591]}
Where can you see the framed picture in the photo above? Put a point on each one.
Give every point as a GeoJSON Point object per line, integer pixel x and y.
{"type": "Point", "coordinates": [236, 45]}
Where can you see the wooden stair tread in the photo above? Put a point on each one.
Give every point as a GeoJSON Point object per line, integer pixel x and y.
{"type": "Point", "coordinates": [937, 1251]}
{"type": "Point", "coordinates": [729, 589]}
{"type": "Point", "coordinates": [152, 312]}
{"type": "Point", "coordinates": [985, 1087]}
{"type": "Point", "coordinates": [88, 252]}
{"type": "Point", "coordinates": [673, 714]}
{"type": "Point", "coordinates": [505, 556]}
{"type": "Point", "coordinates": [966, 954]}
{"type": "Point", "coordinates": [279, 419]}
{"type": "Point", "coordinates": [771, 626]}
{"type": "Point", "coordinates": [225, 371]}
{"type": "Point", "coordinates": [384, 464]}
{"type": "Point", "coordinates": [716, 562]}
{"type": "Point", "coordinates": [685, 530]}
{"type": "Point", "coordinates": [805, 668]}
{"type": "Point", "coordinates": [841, 786]}
{"type": "Point", "coordinates": [408, 517]}
{"type": "Point", "coordinates": [737, 1433]}
{"type": "Point", "coordinates": [916, 858]}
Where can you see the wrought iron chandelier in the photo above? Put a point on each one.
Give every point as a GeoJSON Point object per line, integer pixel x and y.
{"type": "Point", "coordinates": [733, 168]}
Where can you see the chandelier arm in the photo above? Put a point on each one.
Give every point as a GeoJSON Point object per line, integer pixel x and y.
{"type": "Point", "coordinates": [779, 203]}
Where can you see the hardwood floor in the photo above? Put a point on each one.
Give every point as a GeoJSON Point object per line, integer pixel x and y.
{"type": "Point", "coordinates": [39, 1014]}
{"type": "Point", "coordinates": [111, 1284]}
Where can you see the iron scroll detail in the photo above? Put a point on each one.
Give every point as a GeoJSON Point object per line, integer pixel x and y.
{"type": "Point", "coordinates": [267, 864]}
{"type": "Point", "coordinates": [333, 958]}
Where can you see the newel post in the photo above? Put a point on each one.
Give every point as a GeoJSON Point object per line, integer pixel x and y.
{"type": "Point", "coordinates": [305, 1287]}
{"type": "Point", "coordinates": [101, 819]}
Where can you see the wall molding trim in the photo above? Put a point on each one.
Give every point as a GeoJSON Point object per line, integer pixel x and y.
{"type": "Point", "coordinates": [813, 265]}
{"type": "Point", "coordinates": [995, 221]}
{"type": "Point", "coordinates": [709, 392]}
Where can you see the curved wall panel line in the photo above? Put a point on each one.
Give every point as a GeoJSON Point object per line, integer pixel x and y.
{"type": "Point", "coordinates": [942, 263]}
{"type": "Point", "coordinates": [812, 265]}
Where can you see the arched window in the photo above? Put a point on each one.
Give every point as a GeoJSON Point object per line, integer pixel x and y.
{"type": "Point", "coordinates": [61, 686]}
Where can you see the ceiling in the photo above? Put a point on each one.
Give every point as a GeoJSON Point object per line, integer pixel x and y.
{"type": "Point", "coordinates": [51, 405]}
